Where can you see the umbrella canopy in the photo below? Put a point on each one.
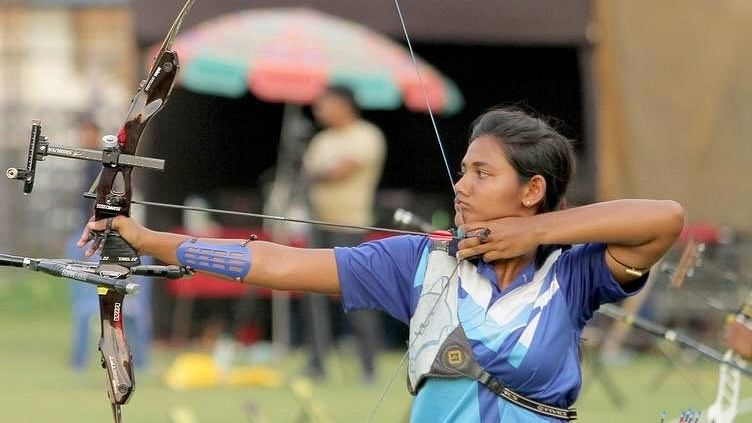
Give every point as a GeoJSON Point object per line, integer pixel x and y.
{"type": "Point", "coordinates": [290, 55]}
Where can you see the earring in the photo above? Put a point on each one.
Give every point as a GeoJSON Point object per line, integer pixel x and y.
{"type": "Point", "coordinates": [527, 203]}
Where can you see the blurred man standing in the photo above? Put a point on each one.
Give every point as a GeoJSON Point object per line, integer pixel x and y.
{"type": "Point", "coordinates": [342, 167]}
{"type": "Point", "coordinates": [344, 161]}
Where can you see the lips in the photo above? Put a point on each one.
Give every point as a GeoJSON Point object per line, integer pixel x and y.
{"type": "Point", "coordinates": [460, 209]}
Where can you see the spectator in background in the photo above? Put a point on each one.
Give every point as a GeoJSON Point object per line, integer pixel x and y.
{"type": "Point", "coordinates": [84, 299]}
{"type": "Point", "coordinates": [342, 167]}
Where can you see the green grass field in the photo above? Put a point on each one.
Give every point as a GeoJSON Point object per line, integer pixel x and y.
{"type": "Point", "coordinates": [38, 386]}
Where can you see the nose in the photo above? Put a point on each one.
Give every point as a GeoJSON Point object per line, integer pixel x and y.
{"type": "Point", "coordinates": [461, 186]}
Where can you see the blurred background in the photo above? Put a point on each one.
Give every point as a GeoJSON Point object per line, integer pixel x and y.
{"type": "Point", "coordinates": [657, 96]}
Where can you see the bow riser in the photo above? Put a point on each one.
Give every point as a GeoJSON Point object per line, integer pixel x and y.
{"type": "Point", "coordinates": [114, 189]}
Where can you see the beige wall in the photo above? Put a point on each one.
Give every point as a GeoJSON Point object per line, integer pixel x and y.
{"type": "Point", "coordinates": [675, 104]}
{"type": "Point", "coordinates": [57, 62]}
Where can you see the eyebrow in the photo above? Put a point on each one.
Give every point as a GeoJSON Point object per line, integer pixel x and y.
{"type": "Point", "coordinates": [476, 163]}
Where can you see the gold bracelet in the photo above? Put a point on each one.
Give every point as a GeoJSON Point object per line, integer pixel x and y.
{"type": "Point", "coordinates": [629, 270]}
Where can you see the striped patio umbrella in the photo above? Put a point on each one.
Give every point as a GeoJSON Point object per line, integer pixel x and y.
{"type": "Point", "coordinates": [290, 55]}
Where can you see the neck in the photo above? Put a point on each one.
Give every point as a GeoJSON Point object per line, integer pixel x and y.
{"type": "Point", "coordinates": [508, 269]}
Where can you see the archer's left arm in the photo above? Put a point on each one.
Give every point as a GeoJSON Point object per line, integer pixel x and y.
{"type": "Point", "coordinates": [638, 232]}
{"type": "Point", "coordinates": [269, 265]}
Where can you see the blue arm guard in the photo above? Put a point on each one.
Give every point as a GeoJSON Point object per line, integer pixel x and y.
{"type": "Point", "coordinates": [230, 260]}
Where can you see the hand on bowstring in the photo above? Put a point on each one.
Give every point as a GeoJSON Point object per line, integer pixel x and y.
{"type": "Point", "coordinates": [497, 239]}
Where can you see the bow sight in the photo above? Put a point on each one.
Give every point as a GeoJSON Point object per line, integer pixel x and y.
{"type": "Point", "coordinates": [109, 156]}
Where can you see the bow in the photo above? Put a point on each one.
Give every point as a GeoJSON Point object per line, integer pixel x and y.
{"type": "Point", "coordinates": [113, 193]}
{"type": "Point", "coordinates": [113, 197]}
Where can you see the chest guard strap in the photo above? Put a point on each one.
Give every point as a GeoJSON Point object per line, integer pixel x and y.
{"type": "Point", "coordinates": [456, 358]}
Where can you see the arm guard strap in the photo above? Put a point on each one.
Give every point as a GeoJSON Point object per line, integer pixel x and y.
{"type": "Point", "coordinates": [230, 260]}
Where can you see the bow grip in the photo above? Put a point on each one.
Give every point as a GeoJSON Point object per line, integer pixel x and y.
{"type": "Point", "coordinates": [117, 251]}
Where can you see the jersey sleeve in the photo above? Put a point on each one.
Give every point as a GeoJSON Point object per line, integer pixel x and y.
{"type": "Point", "coordinates": [587, 282]}
{"type": "Point", "coordinates": [379, 274]}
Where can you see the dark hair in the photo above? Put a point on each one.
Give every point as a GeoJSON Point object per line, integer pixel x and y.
{"type": "Point", "coordinates": [533, 147]}
{"type": "Point", "coordinates": [344, 93]}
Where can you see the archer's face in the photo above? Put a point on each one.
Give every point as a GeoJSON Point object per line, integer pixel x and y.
{"type": "Point", "coordinates": [489, 187]}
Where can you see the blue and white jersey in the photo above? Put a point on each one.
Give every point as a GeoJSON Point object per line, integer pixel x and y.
{"type": "Point", "coordinates": [526, 335]}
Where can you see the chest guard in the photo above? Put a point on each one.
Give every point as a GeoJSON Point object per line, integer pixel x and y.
{"type": "Point", "coordinates": [438, 346]}
{"type": "Point", "coordinates": [435, 316]}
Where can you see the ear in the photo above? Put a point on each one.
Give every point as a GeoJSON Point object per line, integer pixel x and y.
{"type": "Point", "coordinates": [535, 191]}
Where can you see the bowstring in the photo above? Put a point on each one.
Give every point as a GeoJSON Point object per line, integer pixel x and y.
{"type": "Point", "coordinates": [422, 84]}
{"type": "Point", "coordinates": [435, 127]}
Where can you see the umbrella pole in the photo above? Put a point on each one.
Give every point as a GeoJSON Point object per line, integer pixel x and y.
{"type": "Point", "coordinates": [284, 198]}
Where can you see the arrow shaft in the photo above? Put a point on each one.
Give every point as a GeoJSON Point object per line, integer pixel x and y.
{"type": "Point", "coordinates": [272, 217]}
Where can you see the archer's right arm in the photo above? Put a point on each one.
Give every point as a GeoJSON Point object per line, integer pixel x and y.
{"type": "Point", "coordinates": [271, 265]}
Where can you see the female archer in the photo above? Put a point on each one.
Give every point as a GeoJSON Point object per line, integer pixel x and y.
{"type": "Point", "coordinates": [495, 320]}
